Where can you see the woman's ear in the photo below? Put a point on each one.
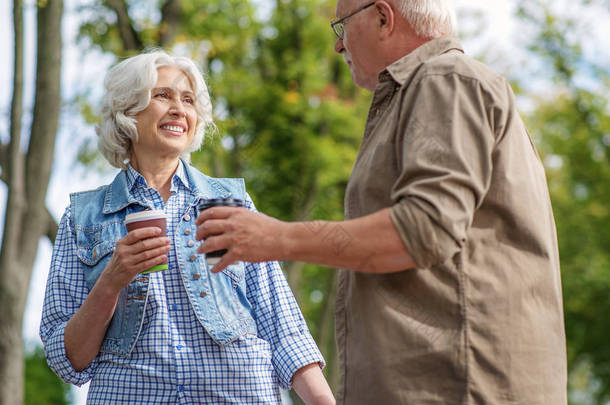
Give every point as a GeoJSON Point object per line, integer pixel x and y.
{"type": "Point", "coordinates": [385, 18]}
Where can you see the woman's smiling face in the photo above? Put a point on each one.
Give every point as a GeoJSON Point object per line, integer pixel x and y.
{"type": "Point", "coordinates": [166, 127]}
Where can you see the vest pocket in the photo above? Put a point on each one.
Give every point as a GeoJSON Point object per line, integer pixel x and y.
{"type": "Point", "coordinates": [94, 248]}
{"type": "Point", "coordinates": [92, 255]}
{"type": "Point", "coordinates": [236, 272]}
{"type": "Point", "coordinates": [95, 242]}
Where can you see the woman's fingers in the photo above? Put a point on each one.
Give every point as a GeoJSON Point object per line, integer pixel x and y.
{"type": "Point", "coordinates": [139, 234]}
{"type": "Point", "coordinates": [148, 263]}
{"type": "Point", "coordinates": [139, 247]}
{"type": "Point", "coordinates": [143, 239]}
{"type": "Point", "coordinates": [150, 254]}
{"type": "Point", "coordinates": [145, 245]}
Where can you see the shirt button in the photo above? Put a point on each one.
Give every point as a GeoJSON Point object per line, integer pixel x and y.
{"type": "Point", "coordinates": [179, 347]}
{"type": "Point", "coordinates": [187, 217]}
{"type": "Point", "coordinates": [174, 307]}
{"type": "Point", "coordinates": [190, 243]}
{"type": "Point", "coordinates": [193, 258]}
{"type": "Point", "coordinates": [203, 294]}
{"type": "Point", "coordinates": [181, 388]}
{"type": "Point", "coordinates": [187, 232]}
{"type": "Point", "coordinates": [196, 276]}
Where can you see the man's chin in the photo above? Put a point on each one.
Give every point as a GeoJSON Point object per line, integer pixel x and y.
{"type": "Point", "coordinates": [358, 81]}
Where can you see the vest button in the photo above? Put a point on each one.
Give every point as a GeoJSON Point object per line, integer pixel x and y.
{"type": "Point", "coordinates": [193, 258]}
{"type": "Point", "coordinates": [187, 217]}
{"type": "Point", "coordinates": [203, 294]}
{"type": "Point", "coordinates": [190, 243]}
{"type": "Point", "coordinates": [196, 276]}
{"type": "Point", "coordinates": [187, 232]}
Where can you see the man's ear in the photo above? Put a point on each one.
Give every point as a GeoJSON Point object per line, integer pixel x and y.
{"type": "Point", "coordinates": [385, 18]}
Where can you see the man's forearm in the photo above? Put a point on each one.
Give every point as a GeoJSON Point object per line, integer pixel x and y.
{"type": "Point", "coordinates": [369, 244]}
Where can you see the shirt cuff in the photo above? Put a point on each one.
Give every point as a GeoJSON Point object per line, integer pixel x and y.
{"type": "Point", "coordinates": [425, 240]}
{"type": "Point", "coordinates": [59, 363]}
{"type": "Point", "coordinates": [293, 353]}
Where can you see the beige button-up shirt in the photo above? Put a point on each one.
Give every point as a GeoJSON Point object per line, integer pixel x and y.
{"type": "Point", "coordinates": [480, 320]}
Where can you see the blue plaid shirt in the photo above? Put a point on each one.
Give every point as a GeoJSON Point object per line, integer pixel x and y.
{"type": "Point", "coordinates": [174, 360]}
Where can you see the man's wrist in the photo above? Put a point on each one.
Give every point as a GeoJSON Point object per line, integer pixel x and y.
{"type": "Point", "coordinates": [286, 240]}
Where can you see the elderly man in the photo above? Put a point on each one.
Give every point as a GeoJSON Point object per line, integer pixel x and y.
{"type": "Point", "coordinates": [452, 293]}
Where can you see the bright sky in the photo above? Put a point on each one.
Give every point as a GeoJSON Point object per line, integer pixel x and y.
{"type": "Point", "coordinates": [86, 72]}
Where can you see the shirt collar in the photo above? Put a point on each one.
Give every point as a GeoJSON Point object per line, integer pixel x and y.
{"type": "Point", "coordinates": [180, 177]}
{"type": "Point", "coordinates": [120, 192]}
{"type": "Point", "coordinates": [134, 177]}
{"type": "Point", "coordinates": [402, 69]}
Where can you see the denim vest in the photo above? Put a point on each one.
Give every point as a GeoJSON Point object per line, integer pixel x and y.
{"type": "Point", "coordinates": [218, 300]}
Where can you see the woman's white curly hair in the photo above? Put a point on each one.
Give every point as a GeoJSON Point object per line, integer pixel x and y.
{"type": "Point", "coordinates": [127, 88]}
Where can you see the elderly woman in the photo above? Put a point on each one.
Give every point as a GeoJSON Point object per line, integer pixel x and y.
{"type": "Point", "coordinates": [182, 335]}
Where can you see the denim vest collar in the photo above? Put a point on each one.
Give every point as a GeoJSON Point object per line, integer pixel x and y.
{"type": "Point", "coordinates": [118, 196]}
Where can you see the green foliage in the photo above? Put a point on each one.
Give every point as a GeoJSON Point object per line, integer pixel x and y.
{"type": "Point", "coordinates": [574, 130]}
{"type": "Point", "coordinates": [42, 386]}
{"type": "Point", "coordinates": [572, 127]}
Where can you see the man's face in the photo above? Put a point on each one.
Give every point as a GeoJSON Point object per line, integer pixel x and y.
{"type": "Point", "coordinates": [359, 42]}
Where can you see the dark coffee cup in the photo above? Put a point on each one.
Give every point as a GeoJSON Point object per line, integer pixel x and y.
{"type": "Point", "coordinates": [214, 257]}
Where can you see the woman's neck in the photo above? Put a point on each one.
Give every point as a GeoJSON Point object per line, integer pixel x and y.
{"type": "Point", "coordinates": [157, 172]}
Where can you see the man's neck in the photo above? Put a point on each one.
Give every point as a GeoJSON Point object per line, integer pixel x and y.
{"type": "Point", "coordinates": [403, 41]}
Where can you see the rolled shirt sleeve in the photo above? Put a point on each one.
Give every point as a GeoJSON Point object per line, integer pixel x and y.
{"type": "Point", "coordinates": [445, 148]}
{"type": "Point", "coordinates": [279, 320]}
{"type": "Point", "coordinates": [65, 292]}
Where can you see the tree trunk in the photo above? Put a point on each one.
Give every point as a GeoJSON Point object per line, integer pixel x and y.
{"type": "Point", "coordinates": [26, 217]}
{"type": "Point", "coordinates": [11, 364]}
{"type": "Point", "coordinates": [294, 276]}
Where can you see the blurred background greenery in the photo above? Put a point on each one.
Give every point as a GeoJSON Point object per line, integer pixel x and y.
{"type": "Point", "coordinates": [290, 122]}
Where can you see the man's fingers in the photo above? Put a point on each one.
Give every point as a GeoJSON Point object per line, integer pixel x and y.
{"type": "Point", "coordinates": [216, 213]}
{"type": "Point", "coordinates": [209, 228]}
{"type": "Point", "coordinates": [225, 261]}
{"type": "Point", "coordinates": [213, 243]}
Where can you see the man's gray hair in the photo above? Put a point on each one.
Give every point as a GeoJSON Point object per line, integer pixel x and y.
{"type": "Point", "coordinates": [127, 89]}
{"type": "Point", "coordinates": [429, 18]}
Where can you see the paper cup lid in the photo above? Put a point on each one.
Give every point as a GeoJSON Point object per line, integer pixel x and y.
{"type": "Point", "coordinates": [220, 202]}
{"type": "Point", "coordinates": [148, 214]}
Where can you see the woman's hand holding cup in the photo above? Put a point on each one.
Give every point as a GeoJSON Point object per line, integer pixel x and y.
{"type": "Point", "coordinates": [143, 250]}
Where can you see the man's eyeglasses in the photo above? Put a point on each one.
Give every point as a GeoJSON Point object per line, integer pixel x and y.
{"type": "Point", "coordinates": [337, 26]}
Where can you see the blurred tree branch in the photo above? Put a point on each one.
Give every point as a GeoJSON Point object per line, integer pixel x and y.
{"type": "Point", "coordinates": [129, 36]}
